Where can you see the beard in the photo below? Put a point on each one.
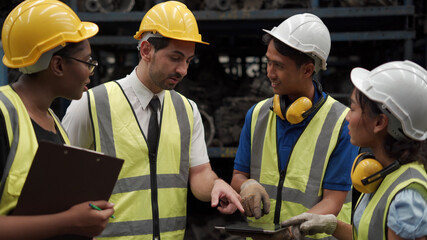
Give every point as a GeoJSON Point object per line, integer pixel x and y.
{"type": "Point", "coordinates": [161, 80]}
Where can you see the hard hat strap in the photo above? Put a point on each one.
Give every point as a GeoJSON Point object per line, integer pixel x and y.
{"type": "Point", "coordinates": [42, 63]}
{"type": "Point", "coordinates": [394, 127]}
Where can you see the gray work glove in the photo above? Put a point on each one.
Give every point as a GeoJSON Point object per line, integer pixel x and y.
{"type": "Point", "coordinates": [309, 224]}
{"type": "Point", "coordinates": [253, 194]}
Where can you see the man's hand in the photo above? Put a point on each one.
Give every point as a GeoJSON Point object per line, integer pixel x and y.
{"type": "Point", "coordinates": [309, 224]}
{"type": "Point", "coordinates": [224, 195]}
{"type": "Point", "coordinates": [253, 194]}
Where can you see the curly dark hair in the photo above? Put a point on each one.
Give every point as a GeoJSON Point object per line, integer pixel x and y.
{"type": "Point", "coordinates": [70, 49]}
{"type": "Point", "coordinates": [404, 151]}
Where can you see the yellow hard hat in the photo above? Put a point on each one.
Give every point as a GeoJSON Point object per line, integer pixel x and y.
{"type": "Point", "coordinates": [37, 26]}
{"type": "Point", "coordinates": [171, 19]}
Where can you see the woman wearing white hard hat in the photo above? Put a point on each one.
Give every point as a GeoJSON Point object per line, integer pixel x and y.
{"type": "Point", "coordinates": [48, 43]}
{"type": "Point", "coordinates": [388, 115]}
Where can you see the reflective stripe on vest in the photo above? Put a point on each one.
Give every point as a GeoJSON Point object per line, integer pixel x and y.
{"type": "Point", "coordinates": [20, 130]}
{"type": "Point", "coordinates": [117, 132]}
{"type": "Point", "coordinates": [373, 223]}
{"type": "Point", "coordinates": [304, 175]}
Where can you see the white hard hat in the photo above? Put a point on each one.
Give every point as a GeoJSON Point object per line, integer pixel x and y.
{"type": "Point", "coordinates": [305, 33]}
{"type": "Point", "coordinates": [401, 88]}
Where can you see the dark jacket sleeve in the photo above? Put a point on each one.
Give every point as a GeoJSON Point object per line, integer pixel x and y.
{"type": "Point", "coordinates": [4, 144]}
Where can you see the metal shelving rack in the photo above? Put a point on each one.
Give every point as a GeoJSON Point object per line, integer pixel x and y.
{"type": "Point", "coordinates": [407, 9]}
{"type": "Point", "coordinates": [225, 22]}
{"type": "Point", "coordinates": [230, 19]}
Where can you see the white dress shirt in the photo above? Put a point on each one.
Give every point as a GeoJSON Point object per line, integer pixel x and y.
{"type": "Point", "coordinates": [79, 127]}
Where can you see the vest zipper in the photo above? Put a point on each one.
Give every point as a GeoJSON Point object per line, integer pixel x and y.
{"type": "Point", "coordinates": [279, 197]}
{"type": "Point", "coordinates": [154, 197]}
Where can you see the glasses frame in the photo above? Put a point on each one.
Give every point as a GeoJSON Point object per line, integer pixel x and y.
{"type": "Point", "coordinates": [92, 64]}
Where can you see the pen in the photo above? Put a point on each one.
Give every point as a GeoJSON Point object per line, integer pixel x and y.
{"type": "Point", "coordinates": [99, 209]}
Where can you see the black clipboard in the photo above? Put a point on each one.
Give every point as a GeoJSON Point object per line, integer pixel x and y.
{"type": "Point", "coordinates": [249, 229]}
{"type": "Point", "coordinates": [62, 176]}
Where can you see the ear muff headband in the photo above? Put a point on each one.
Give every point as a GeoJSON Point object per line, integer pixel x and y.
{"type": "Point", "coordinates": [314, 108]}
{"type": "Point", "coordinates": [367, 173]}
{"type": "Point", "coordinates": [381, 174]}
{"type": "Point", "coordinates": [297, 111]}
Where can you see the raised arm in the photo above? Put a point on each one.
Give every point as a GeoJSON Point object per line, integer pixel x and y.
{"type": "Point", "coordinates": [206, 186]}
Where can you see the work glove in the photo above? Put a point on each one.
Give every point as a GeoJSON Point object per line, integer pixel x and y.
{"type": "Point", "coordinates": [309, 224]}
{"type": "Point", "coordinates": [253, 194]}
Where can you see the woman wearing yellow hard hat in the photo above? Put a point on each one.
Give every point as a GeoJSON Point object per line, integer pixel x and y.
{"type": "Point", "coordinates": [388, 115]}
{"type": "Point", "coordinates": [48, 43]}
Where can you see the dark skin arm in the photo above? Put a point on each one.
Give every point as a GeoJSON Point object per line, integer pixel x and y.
{"type": "Point", "coordinates": [78, 220]}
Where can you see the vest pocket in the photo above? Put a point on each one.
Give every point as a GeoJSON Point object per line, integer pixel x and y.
{"type": "Point", "coordinates": [15, 183]}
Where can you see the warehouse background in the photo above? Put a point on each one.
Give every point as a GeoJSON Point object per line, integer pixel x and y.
{"type": "Point", "coordinates": [228, 76]}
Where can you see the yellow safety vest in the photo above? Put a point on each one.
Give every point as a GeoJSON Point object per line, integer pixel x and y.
{"type": "Point", "coordinates": [144, 199]}
{"type": "Point", "coordinates": [300, 187]}
{"type": "Point", "coordinates": [23, 146]}
{"type": "Point", "coordinates": [373, 223]}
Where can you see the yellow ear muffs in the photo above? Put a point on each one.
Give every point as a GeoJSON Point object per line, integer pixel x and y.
{"type": "Point", "coordinates": [297, 111]}
{"type": "Point", "coordinates": [364, 166]}
{"type": "Point", "coordinates": [367, 173]}
{"type": "Point", "coordinates": [277, 106]}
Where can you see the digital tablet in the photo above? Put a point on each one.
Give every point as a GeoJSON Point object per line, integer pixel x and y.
{"type": "Point", "coordinates": [248, 228]}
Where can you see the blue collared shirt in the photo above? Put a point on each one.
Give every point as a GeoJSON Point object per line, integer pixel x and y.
{"type": "Point", "coordinates": [337, 175]}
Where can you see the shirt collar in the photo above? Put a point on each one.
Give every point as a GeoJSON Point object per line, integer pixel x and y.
{"type": "Point", "coordinates": [143, 94]}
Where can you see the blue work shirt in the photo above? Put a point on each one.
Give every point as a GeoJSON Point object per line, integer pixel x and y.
{"type": "Point", "coordinates": [337, 175]}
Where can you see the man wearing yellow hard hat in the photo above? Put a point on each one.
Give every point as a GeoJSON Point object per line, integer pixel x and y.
{"type": "Point", "coordinates": [48, 43]}
{"type": "Point", "coordinates": [158, 132]}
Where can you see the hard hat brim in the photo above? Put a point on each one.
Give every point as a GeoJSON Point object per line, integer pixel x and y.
{"type": "Point", "coordinates": [360, 79]}
{"type": "Point", "coordinates": [91, 29]}
{"type": "Point", "coordinates": [138, 36]}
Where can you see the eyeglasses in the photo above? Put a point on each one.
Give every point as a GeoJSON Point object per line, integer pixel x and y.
{"type": "Point", "coordinates": [91, 64]}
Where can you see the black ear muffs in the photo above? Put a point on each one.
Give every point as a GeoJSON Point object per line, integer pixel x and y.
{"type": "Point", "coordinates": [367, 173]}
{"type": "Point", "coordinates": [297, 111]}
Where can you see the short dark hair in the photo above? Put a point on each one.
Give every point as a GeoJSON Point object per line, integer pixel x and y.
{"type": "Point", "coordinates": [300, 58]}
{"type": "Point", "coordinates": [159, 42]}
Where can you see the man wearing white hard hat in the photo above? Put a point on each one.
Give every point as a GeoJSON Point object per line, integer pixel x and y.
{"type": "Point", "coordinates": [294, 154]}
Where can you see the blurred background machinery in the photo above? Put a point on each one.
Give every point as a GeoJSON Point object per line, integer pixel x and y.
{"type": "Point", "coordinates": [227, 77]}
